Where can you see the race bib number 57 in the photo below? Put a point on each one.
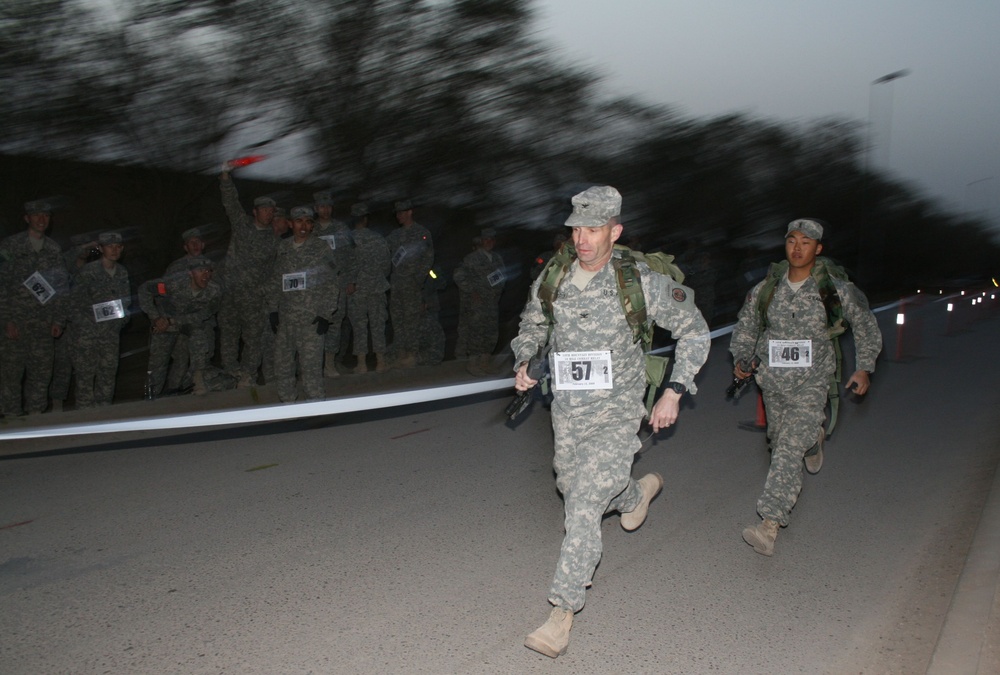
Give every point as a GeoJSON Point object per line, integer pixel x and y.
{"type": "Point", "coordinates": [582, 370]}
{"type": "Point", "coordinates": [790, 353]}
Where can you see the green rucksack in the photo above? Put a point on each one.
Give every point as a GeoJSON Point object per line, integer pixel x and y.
{"type": "Point", "coordinates": [824, 272]}
{"type": "Point", "coordinates": [630, 294]}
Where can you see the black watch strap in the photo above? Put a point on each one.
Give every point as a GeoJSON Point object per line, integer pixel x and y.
{"type": "Point", "coordinates": [677, 386]}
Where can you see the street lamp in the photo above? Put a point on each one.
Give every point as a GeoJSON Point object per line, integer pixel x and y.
{"type": "Point", "coordinates": [870, 252]}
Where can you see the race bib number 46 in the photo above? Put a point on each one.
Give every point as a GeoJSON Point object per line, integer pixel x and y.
{"type": "Point", "coordinates": [790, 353]}
{"type": "Point", "coordinates": [108, 311]}
{"type": "Point", "coordinates": [294, 281]}
{"type": "Point", "coordinates": [582, 370]}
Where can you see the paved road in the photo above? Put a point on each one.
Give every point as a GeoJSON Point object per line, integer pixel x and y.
{"type": "Point", "coordinates": [422, 539]}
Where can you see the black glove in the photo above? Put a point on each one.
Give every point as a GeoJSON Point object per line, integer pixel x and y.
{"type": "Point", "coordinates": [273, 318]}
{"type": "Point", "coordinates": [322, 325]}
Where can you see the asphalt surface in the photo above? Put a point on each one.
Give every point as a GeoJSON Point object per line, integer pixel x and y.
{"type": "Point", "coordinates": [422, 539]}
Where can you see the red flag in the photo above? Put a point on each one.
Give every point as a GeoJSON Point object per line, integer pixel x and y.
{"type": "Point", "coordinates": [246, 161]}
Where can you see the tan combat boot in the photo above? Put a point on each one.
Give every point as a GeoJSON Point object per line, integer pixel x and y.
{"type": "Point", "coordinates": [198, 377]}
{"type": "Point", "coordinates": [406, 360]}
{"type": "Point", "coordinates": [650, 484]}
{"type": "Point", "coordinates": [552, 638]}
{"type": "Point", "coordinates": [330, 369]}
{"type": "Point", "coordinates": [762, 536]}
{"type": "Point", "coordinates": [381, 363]}
{"type": "Point", "coordinates": [814, 462]}
{"type": "Point", "coordinates": [362, 366]}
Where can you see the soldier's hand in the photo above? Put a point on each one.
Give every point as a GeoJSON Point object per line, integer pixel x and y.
{"type": "Point", "coordinates": [665, 411]}
{"type": "Point", "coordinates": [322, 325]}
{"type": "Point", "coordinates": [57, 330]}
{"type": "Point", "coordinates": [351, 289]}
{"type": "Point", "coordinates": [521, 381]}
{"type": "Point", "coordinates": [860, 381]}
{"type": "Point", "coordinates": [12, 332]}
{"type": "Point", "coordinates": [161, 324]}
{"type": "Point", "coordinates": [740, 373]}
{"type": "Point", "coordinates": [273, 319]}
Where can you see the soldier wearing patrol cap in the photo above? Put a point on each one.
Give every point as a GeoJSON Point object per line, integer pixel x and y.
{"type": "Point", "coordinates": [302, 303]}
{"type": "Point", "coordinates": [480, 279]}
{"type": "Point", "coordinates": [337, 236]}
{"type": "Point", "coordinates": [34, 284]}
{"type": "Point", "coordinates": [785, 325]}
{"type": "Point", "coordinates": [182, 308]}
{"type": "Point", "coordinates": [599, 378]}
{"type": "Point", "coordinates": [412, 252]}
{"type": "Point", "coordinates": [252, 247]}
{"type": "Point", "coordinates": [102, 298]}
{"type": "Point", "coordinates": [366, 304]}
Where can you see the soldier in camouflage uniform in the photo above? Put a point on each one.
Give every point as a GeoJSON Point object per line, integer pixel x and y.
{"type": "Point", "coordinates": [101, 301]}
{"type": "Point", "coordinates": [248, 263]}
{"type": "Point", "coordinates": [80, 253]}
{"type": "Point", "coordinates": [302, 299]}
{"type": "Point", "coordinates": [366, 306]}
{"type": "Point", "coordinates": [480, 280]}
{"type": "Point", "coordinates": [797, 361]}
{"type": "Point", "coordinates": [337, 235]}
{"type": "Point", "coordinates": [412, 251]}
{"type": "Point", "coordinates": [182, 307]}
{"type": "Point", "coordinates": [595, 426]}
{"type": "Point", "coordinates": [35, 286]}
{"type": "Point", "coordinates": [430, 336]}
{"type": "Point", "coordinates": [179, 270]}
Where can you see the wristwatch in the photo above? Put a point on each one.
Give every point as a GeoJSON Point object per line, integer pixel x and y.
{"type": "Point", "coordinates": [677, 386]}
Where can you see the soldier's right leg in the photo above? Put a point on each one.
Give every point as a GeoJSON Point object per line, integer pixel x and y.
{"type": "Point", "coordinates": [41, 354]}
{"type": "Point", "coordinates": [230, 326]}
{"type": "Point", "coordinates": [161, 346]}
{"type": "Point", "coordinates": [12, 367]}
{"type": "Point", "coordinates": [284, 363]}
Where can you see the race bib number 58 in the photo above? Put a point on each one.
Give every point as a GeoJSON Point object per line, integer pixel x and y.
{"type": "Point", "coordinates": [582, 370]}
{"type": "Point", "coordinates": [790, 353]}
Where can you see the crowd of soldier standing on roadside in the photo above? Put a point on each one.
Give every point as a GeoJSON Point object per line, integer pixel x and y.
{"type": "Point", "coordinates": [279, 300]}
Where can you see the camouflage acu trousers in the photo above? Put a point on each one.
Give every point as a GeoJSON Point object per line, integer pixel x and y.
{"type": "Point", "coordinates": [593, 463]}
{"type": "Point", "coordinates": [95, 360]}
{"type": "Point", "coordinates": [28, 358]}
{"type": "Point", "coordinates": [298, 338]}
{"type": "Point", "coordinates": [794, 418]}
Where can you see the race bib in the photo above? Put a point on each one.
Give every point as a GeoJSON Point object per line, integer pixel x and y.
{"type": "Point", "coordinates": [582, 370]}
{"type": "Point", "coordinates": [398, 256]}
{"type": "Point", "coordinates": [496, 277]}
{"type": "Point", "coordinates": [331, 240]}
{"type": "Point", "coordinates": [39, 287]}
{"type": "Point", "coordinates": [293, 281]}
{"type": "Point", "coordinates": [108, 311]}
{"type": "Point", "coordinates": [790, 353]}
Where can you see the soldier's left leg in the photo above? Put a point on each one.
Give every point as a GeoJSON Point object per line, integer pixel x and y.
{"type": "Point", "coordinates": [801, 412]}
{"type": "Point", "coordinates": [107, 370]}
{"type": "Point", "coordinates": [310, 350]}
{"type": "Point", "coordinates": [593, 463]}
{"type": "Point", "coordinates": [41, 356]}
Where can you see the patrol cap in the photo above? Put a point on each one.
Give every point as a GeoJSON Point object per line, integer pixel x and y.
{"type": "Point", "coordinates": [595, 206]}
{"type": "Point", "coordinates": [105, 238]}
{"type": "Point", "coordinates": [810, 227]}
{"type": "Point", "coordinates": [37, 206]}
{"type": "Point", "coordinates": [302, 212]}
{"type": "Point", "coordinates": [488, 233]}
{"type": "Point", "coordinates": [264, 201]}
{"type": "Point", "coordinates": [199, 262]}
{"type": "Point", "coordinates": [280, 212]}
{"type": "Point", "coordinates": [191, 233]}
{"type": "Point", "coordinates": [403, 205]}
{"type": "Point", "coordinates": [359, 209]}
{"type": "Point", "coordinates": [323, 198]}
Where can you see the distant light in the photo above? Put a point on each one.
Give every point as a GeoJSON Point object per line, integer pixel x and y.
{"type": "Point", "coordinates": [918, 291]}
{"type": "Point", "coordinates": [995, 282]}
{"type": "Point", "coordinates": [963, 292]}
{"type": "Point", "coordinates": [433, 275]}
{"type": "Point", "coordinates": [899, 319]}
{"type": "Point", "coordinates": [950, 307]}
{"type": "Point", "coordinates": [941, 292]}
{"type": "Point", "coordinates": [993, 296]}
{"type": "Point", "coordinates": [973, 302]}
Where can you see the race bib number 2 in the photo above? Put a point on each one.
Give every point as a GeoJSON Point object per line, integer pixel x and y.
{"type": "Point", "coordinates": [790, 353]}
{"type": "Point", "coordinates": [582, 370]}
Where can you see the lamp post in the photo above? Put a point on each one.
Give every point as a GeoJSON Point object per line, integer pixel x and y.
{"type": "Point", "coordinates": [871, 251]}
